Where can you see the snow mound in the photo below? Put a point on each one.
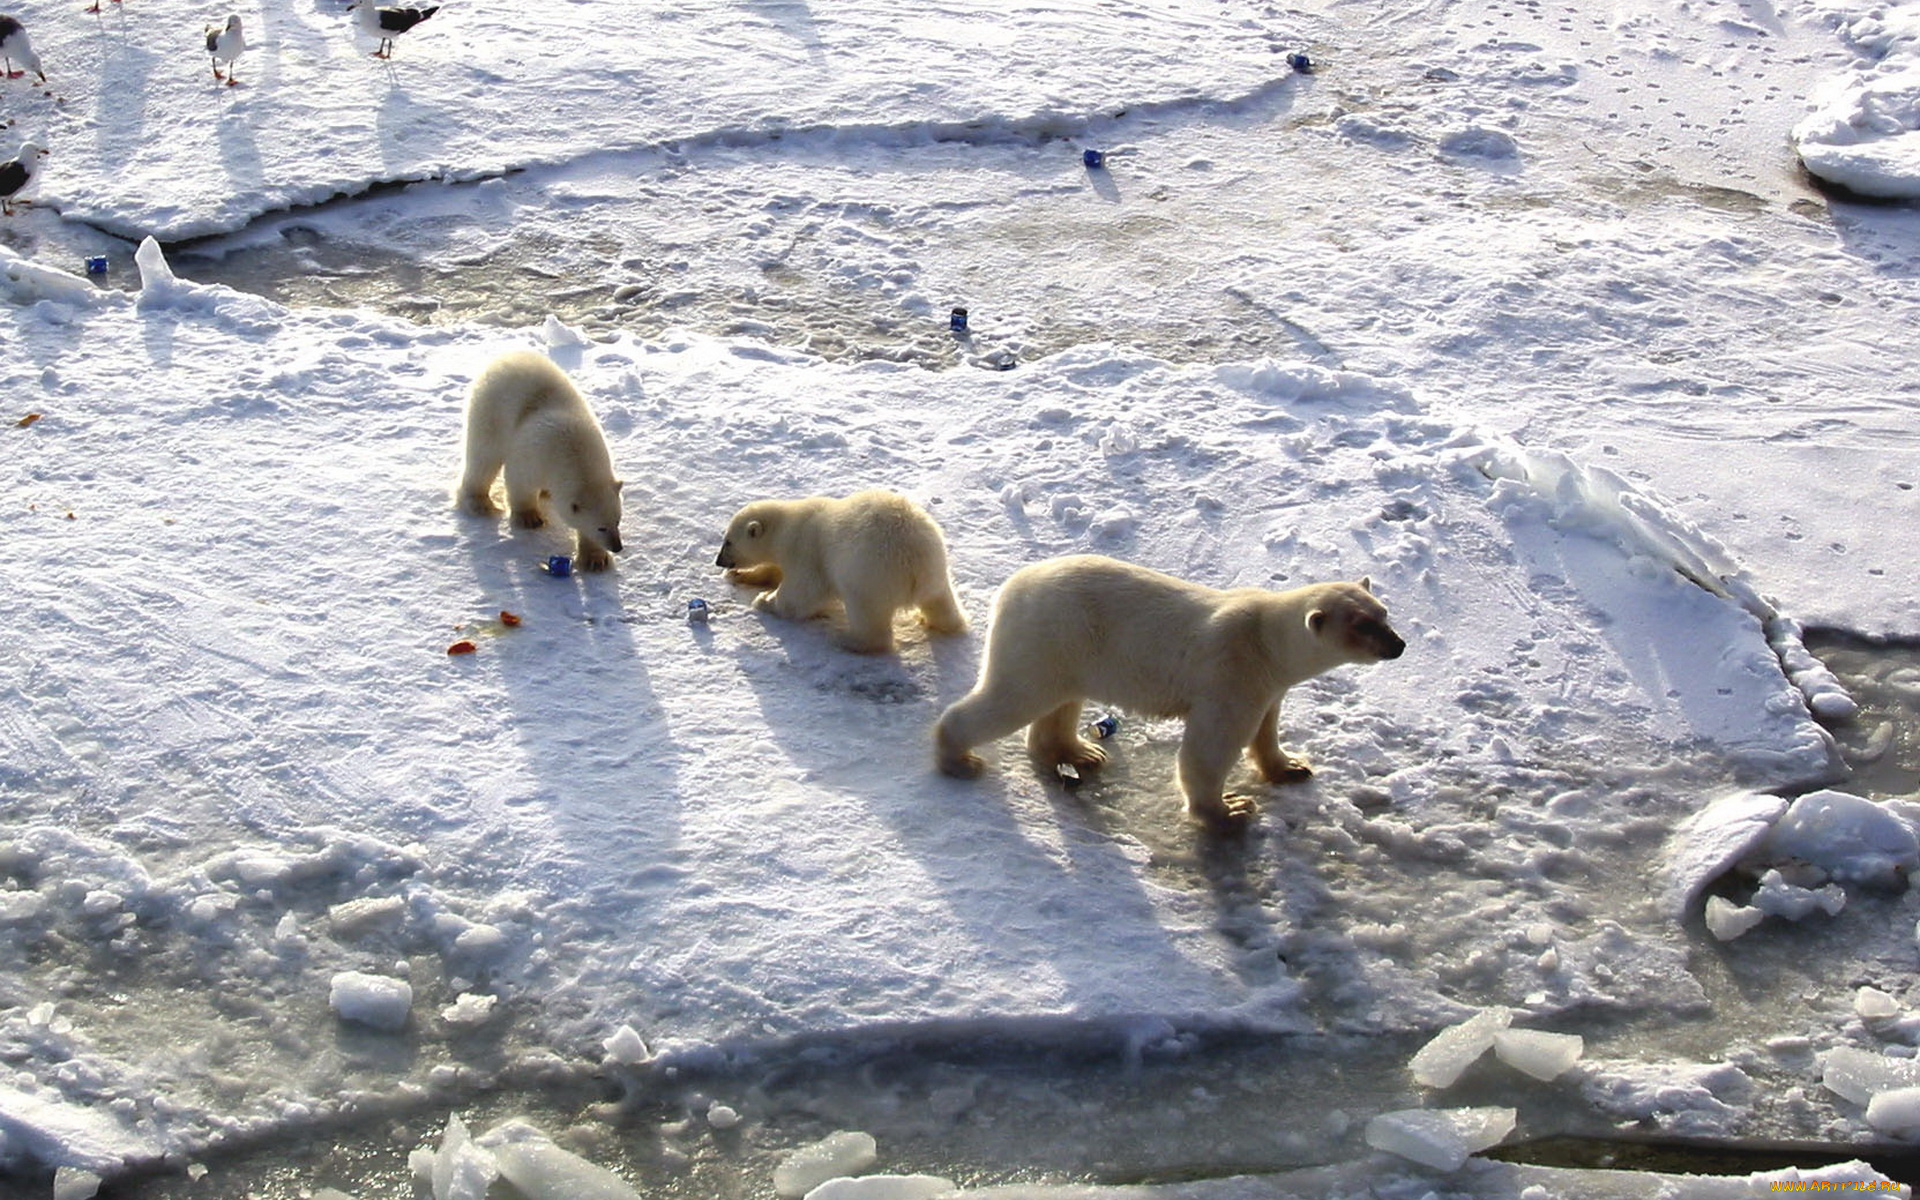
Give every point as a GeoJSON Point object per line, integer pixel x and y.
{"type": "Point", "coordinates": [378, 1001]}
{"type": "Point", "coordinates": [1864, 134]}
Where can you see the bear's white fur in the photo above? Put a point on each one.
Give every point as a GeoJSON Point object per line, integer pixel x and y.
{"type": "Point", "coordinates": [525, 416]}
{"type": "Point", "coordinates": [875, 552]}
{"type": "Point", "coordinates": [1093, 628]}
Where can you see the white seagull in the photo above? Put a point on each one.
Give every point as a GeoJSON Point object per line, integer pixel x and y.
{"type": "Point", "coordinates": [14, 47]}
{"type": "Point", "coordinates": [17, 174]}
{"type": "Point", "coordinates": [387, 23]}
{"type": "Point", "coordinates": [224, 45]}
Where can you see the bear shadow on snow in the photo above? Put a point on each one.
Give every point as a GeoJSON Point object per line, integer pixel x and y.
{"type": "Point", "coordinates": [580, 702]}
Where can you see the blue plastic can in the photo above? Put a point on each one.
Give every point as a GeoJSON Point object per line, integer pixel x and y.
{"type": "Point", "coordinates": [1106, 727]}
{"type": "Point", "coordinates": [1094, 158]}
{"type": "Point", "coordinates": [559, 566]}
{"type": "Point", "coordinates": [1300, 62]}
{"type": "Point", "coordinates": [97, 264]}
{"type": "Point", "coordinates": [957, 320]}
{"type": "Point", "coordinates": [698, 610]}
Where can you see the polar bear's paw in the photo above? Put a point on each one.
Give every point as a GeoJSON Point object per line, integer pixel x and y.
{"type": "Point", "coordinates": [592, 558]}
{"type": "Point", "coordinates": [1232, 813]}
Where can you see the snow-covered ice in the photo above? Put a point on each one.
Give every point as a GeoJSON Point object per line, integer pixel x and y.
{"type": "Point", "coordinates": [1522, 313]}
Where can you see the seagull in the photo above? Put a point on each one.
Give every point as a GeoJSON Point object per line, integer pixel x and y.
{"type": "Point", "coordinates": [224, 46]}
{"type": "Point", "coordinates": [387, 23]}
{"type": "Point", "coordinates": [14, 45]}
{"type": "Point", "coordinates": [17, 174]}
{"type": "Point", "coordinates": [96, 6]}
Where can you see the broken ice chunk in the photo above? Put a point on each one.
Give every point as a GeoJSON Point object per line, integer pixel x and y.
{"type": "Point", "coordinates": [461, 1170]}
{"type": "Point", "coordinates": [837, 1154]}
{"type": "Point", "coordinates": [1538, 1053]}
{"type": "Point", "coordinates": [1453, 1050]}
{"type": "Point", "coordinates": [1872, 1004]}
{"type": "Point", "coordinates": [1783, 899]}
{"type": "Point", "coordinates": [375, 1000]}
{"type": "Point", "coordinates": [1727, 920]}
{"type": "Point", "coordinates": [627, 1047]}
{"type": "Point", "coordinates": [72, 1183]}
{"type": "Point", "coordinates": [1850, 837]}
{"type": "Point", "coordinates": [882, 1187]}
{"type": "Point", "coordinates": [1439, 1138]}
{"type": "Point", "coordinates": [1895, 1112]}
{"type": "Point", "coordinates": [1860, 1074]}
{"type": "Point", "coordinates": [530, 1161]}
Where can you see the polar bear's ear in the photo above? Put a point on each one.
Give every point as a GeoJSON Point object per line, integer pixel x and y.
{"type": "Point", "coordinates": [754, 528]}
{"type": "Point", "coordinates": [1366, 584]}
{"type": "Point", "coordinates": [1316, 621]}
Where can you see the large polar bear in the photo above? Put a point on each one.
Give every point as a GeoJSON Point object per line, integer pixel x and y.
{"type": "Point", "coordinates": [1087, 627]}
{"type": "Point", "coordinates": [525, 415]}
{"type": "Point", "coordinates": [875, 551]}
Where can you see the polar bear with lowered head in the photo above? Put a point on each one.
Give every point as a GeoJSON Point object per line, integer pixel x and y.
{"type": "Point", "coordinates": [875, 552]}
{"type": "Point", "coordinates": [524, 416]}
{"type": "Point", "coordinates": [1093, 628]}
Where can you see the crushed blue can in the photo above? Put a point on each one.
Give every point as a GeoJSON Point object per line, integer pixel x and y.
{"type": "Point", "coordinates": [97, 264]}
{"type": "Point", "coordinates": [1094, 158]}
{"type": "Point", "coordinates": [698, 611]}
{"type": "Point", "coordinates": [1105, 727]}
{"type": "Point", "coordinates": [957, 320]}
{"type": "Point", "coordinates": [559, 566]}
{"type": "Point", "coordinates": [1300, 62]}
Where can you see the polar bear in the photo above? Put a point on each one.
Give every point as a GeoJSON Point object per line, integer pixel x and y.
{"type": "Point", "coordinates": [874, 551]}
{"type": "Point", "coordinates": [1088, 627]}
{"type": "Point", "coordinates": [526, 416]}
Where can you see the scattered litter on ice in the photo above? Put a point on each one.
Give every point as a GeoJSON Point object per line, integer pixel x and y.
{"type": "Point", "coordinates": [882, 1187]}
{"type": "Point", "coordinates": [1440, 1138]}
{"type": "Point", "coordinates": [378, 1001]}
{"type": "Point", "coordinates": [1441, 1061]}
{"type": "Point", "coordinates": [845, 1152]}
{"type": "Point", "coordinates": [528, 1159]}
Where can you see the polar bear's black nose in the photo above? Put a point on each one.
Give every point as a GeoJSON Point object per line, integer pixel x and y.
{"type": "Point", "coordinates": [724, 558]}
{"type": "Point", "coordinates": [613, 540]}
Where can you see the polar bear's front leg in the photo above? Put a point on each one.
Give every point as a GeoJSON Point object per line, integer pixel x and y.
{"type": "Point", "coordinates": [796, 599]}
{"type": "Point", "coordinates": [1215, 734]}
{"type": "Point", "coordinates": [1275, 764]}
{"type": "Point", "coordinates": [764, 575]}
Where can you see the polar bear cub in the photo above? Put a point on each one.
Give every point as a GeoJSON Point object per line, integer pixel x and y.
{"type": "Point", "coordinates": [875, 552]}
{"type": "Point", "coordinates": [1087, 627]}
{"type": "Point", "coordinates": [525, 415]}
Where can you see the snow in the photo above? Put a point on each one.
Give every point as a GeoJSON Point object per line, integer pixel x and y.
{"type": "Point", "coordinates": [1523, 316]}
